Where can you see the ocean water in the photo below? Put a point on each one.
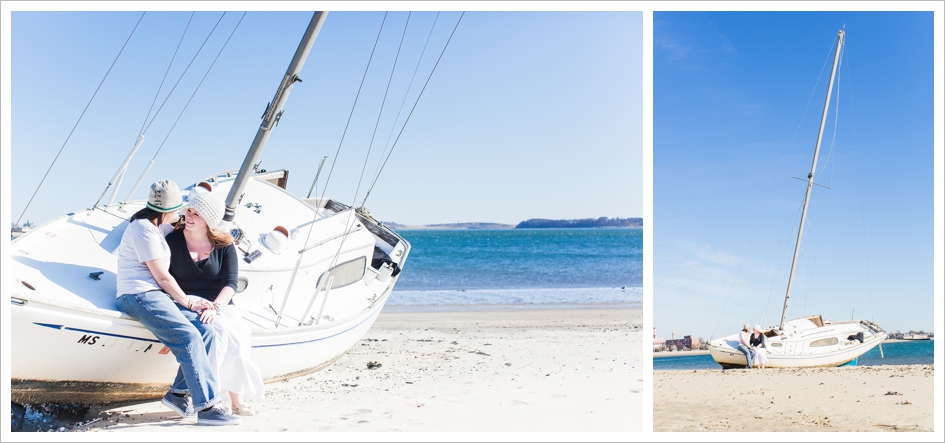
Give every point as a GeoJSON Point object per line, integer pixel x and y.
{"type": "Point", "coordinates": [521, 267]}
{"type": "Point", "coordinates": [920, 352]}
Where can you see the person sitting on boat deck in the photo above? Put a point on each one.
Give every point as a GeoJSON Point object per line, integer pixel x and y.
{"type": "Point", "coordinates": [148, 293]}
{"type": "Point", "coordinates": [204, 263]}
{"type": "Point", "coordinates": [744, 345]}
{"type": "Point", "coordinates": [757, 342]}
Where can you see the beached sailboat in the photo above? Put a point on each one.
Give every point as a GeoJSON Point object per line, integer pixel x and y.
{"type": "Point", "coordinates": [808, 341]}
{"type": "Point", "coordinates": [314, 275]}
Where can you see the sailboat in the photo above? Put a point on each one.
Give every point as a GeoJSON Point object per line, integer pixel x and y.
{"type": "Point", "coordinates": [809, 341]}
{"type": "Point", "coordinates": [314, 274]}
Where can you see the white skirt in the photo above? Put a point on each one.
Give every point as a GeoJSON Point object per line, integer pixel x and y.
{"type": "Point", "coordinates": [761, 357]}
{"type": "Point", "coordinates": [230, 355]}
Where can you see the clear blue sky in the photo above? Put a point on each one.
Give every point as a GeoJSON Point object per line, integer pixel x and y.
{"type": "Point", "coordinates": [528, 115]}
{"type": "Point", "coordinates": [730, 93]}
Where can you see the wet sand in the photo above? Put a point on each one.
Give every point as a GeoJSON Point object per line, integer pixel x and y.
{"type": "Point", "coordinates": [866, 398]}
{"type": "Point", "coordinates": [497, 370]}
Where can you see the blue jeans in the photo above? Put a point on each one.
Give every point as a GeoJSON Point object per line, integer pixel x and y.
{"type": "Point", "coordinates": [181, 331]}
{"type": "Point", "coordinates": [749, 353]}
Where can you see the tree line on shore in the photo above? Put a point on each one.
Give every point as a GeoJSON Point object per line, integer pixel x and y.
{"type": "Point", "coordinates": [601, 222]}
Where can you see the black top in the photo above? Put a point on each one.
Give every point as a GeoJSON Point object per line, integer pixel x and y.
{"type": "Point", "coordinates": [752, 340]}
{"type": "Point", "coordinates": [204, 278]}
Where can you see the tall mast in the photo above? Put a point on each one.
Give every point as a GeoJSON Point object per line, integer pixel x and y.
{"type": "Point", "coordinates": [273, 113]}
{"type": "Point", "coordinates": [810, 177]}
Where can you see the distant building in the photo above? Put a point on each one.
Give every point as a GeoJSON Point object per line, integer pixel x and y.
{"type": "Point", "coordinates": [687, 342]}
{"type": "Point", "coordinates": [657, 342]}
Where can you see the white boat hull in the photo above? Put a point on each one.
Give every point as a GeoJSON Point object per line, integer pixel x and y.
{"type": "Point", "coordinates": [805, 344]}
{"type": "Point", "coordinates": [72, 345]}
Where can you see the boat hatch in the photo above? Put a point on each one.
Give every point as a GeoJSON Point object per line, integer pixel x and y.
{"type": "Point", "coordinates": [279, 178]}
{"type": "Point", "coordinates": [817, 320]}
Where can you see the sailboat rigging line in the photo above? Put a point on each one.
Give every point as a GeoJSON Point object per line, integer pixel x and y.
{"type": "Point", "coordinates": [151, 163]}
{"type": "Point", "coordinates": [744, 259]}
{"type": "Point", "coordinates": [121, 172]}
{"type": "Point", "coordinates": [404, 101]}
{"type": "Point", "coordinates": [367, 157]}
{"type": "Point", "coordinates": [810, 99]}
{"type": "Point", "coordinates": [777, 273]}
{"type": "Point", "coordinates": [831, 161]}
{"type": "Point", "coordinates": [79, 120]}
{"type": "Point", "coordinates": [196, 89]}
{"type": "Point", "coordinates": [793, 141]}
{"type": "Point", "coordinates": [144, 124]}
{"type": "Point", "coordinates": [191, 63]}
{"type": "Point", "coordinates": [351, 114]}
{"type": "Point", "coordinates": [417, 101]}
{"type": "Point", "coordinates": [859, 179]}
{"type": "Point", "coordinates": [379, 113]}
{"type": "Point", "coordinates": [810, 176]}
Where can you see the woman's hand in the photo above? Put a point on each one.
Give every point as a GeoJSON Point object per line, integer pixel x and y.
{"type": "Point", "coordinates": [204, 308]}
{"type": "Point", "coordinates": [207, 315]}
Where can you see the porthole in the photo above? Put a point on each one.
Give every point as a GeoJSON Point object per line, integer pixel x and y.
{"type": "Point", "coordinates": [346, 273]}
{"type": "Point", "coordinates": [241, 284]}
{"type": "Point", "coordinates": [28, 286]}
{"type": "Point", "coordinates": [824, 342]}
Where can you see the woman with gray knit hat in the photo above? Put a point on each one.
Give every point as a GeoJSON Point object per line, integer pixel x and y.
{"type": "Point", "coordinates": [148, 293]}
{"type": "Point", "coordinates": [204, 263]}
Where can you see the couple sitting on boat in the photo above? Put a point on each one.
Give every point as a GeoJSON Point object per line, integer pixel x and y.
{"type": "Point", "coordinates": [181, 288]}
{"type": "Point", "coordinates": [752, 343]}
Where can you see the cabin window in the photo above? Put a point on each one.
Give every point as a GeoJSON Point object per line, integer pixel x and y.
{"type": "Point", "coordinates": [776, 345]}
{"type": "Point", "coordinates": [824, 342]}
{"type": "Point", "coordinates": [346, 273]}
{"type": "Point", "coordinates": [241, 284]}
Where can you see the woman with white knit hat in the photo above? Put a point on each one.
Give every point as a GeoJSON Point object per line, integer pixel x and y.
{"type": "Point", "coordinates": [204, 263]}
{"type": "Point", "coordinates": [147, 292]}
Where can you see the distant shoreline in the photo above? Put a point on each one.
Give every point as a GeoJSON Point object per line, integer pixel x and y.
{"type": "Point", "coordinates": [535, 223]}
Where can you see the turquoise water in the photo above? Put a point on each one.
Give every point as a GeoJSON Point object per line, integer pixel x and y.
{"type": "Point", "coordinates": [521, 267]}
{"type": "Point", "coordinates": [896, 353]}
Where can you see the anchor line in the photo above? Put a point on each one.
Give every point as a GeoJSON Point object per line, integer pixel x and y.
{"type": "Point", "coordinates": [79, 120]}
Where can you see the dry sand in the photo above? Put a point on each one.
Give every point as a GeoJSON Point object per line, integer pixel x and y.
{"type": "Point", "coordinates": [498, 370]}
{"type": "Point", "coordinates": [866, 398]}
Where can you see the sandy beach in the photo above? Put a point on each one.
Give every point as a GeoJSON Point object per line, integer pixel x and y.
{"type": "Point", "coordinates": [496, 370]}
{"type": "Point", "coordinates": [866, 398]}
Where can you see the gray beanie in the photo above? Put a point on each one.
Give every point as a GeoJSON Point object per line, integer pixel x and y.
{"type": "Point", "coordinates": [165, 197]}
{"type": "Point", "coordinates": [209, 207]}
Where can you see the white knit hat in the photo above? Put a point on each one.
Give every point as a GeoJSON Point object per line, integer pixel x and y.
{"type": "Point", "coordinates": [165, 196]}
{"type": "Point", "coordinates": [199, 188]}
{"type": "Point", "coordinates": [209, 207]}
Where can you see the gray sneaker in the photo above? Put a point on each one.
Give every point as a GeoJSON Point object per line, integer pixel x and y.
{"type": "Point", "coordinates": [180, 405]}
{"type": "Point", "coordinates": [217, 416]}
